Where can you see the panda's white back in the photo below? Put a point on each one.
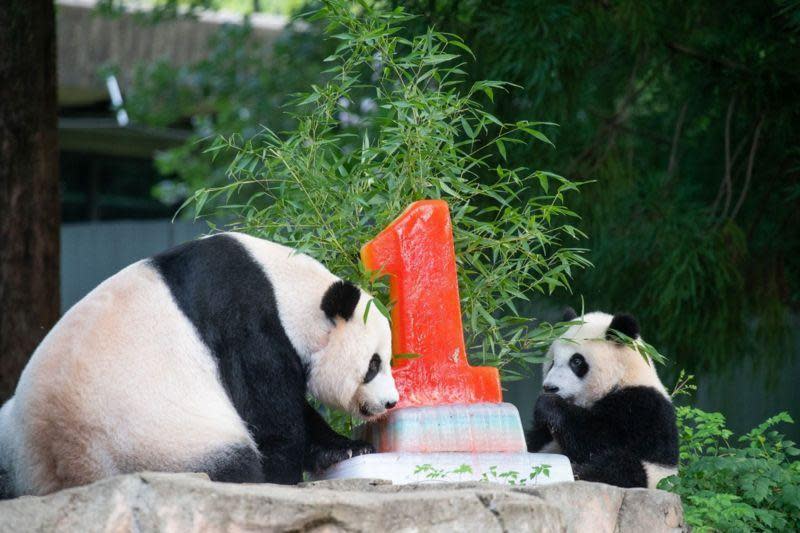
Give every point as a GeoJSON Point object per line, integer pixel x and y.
{"type": "Point", "coordinates": [294, 274]}
{"type": "Point", "coordinates": [122, 383]}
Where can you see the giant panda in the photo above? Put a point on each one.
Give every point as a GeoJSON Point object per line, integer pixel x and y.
{"type": "Point", "coordinates": [199, 359]}
{"type": "Point", "coordinates": [604, 407]}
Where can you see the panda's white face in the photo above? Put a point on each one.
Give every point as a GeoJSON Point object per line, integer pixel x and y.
{"type": "Point", "coordinates": [583, 366]}
{"type": "Point", "coordinates": [352, 372]}
{"type": "Point", "coordinates": [582, 372]}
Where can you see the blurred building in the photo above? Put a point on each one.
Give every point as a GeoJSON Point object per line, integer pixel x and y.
{"type": "Point", "coordinates": [110, 217]}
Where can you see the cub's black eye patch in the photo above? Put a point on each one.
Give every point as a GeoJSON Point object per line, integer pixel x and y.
{"type": "Point", "coordinates": [578, 365]}
{"type": "Point", "coordinates": [373, 369]}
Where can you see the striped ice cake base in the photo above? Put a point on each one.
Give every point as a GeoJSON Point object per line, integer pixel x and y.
{"type": "Point", "coordinates": [480, 427]}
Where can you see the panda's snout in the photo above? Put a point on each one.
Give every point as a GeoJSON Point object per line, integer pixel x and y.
{"type": "Point", "coordinates": [551, 389]}
{"type": "Point", "coordinates": [389, 405]}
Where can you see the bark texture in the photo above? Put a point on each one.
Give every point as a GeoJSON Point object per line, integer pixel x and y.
{"type": "Point", "coordinates": [29, 187]}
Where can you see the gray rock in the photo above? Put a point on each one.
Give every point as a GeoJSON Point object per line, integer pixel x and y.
{"type": "Point", "coordinates": [597, 507]}
{"type": "Point", "coordinates": [642, 506]}
{"type": "Point", "coordinates": [346, 484]}
{"type": "Point", "coordinates": [583, 504]}
{"type": "Point", "coordinates": [185, 502]}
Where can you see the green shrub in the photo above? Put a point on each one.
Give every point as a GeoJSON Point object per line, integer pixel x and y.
{"type": "Point", "coordinates": [748, 484]}
{"type": "Point", "coordinates": [395, 122]}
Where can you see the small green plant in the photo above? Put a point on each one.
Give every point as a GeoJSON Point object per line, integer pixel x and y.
{"type": "Point", "coordinates": [463, 469]}
{"type": "Point", "coordinates": [684, 386]}
{"type": "Point", "coordinates": [748, 484]}
{"type": "Point", "coordinates": [429, 471]}
{"type": "Point", "coordinates": [397, 121]}
{"type": "Point", "coordinates": [511, 477]}
{"type": "Point", "coordinates": [433, 473]}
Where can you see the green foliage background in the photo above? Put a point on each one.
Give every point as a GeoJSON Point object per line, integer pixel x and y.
{"type": "Point", "coordinates": [684, 114]}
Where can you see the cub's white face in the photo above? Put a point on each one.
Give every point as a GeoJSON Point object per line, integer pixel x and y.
{"type": "Point", "coordinates": [583, 366]}
{"type": "Point", "coordinates": [582, 372]}
{"type": "Point", "coordinates": [353, 371]}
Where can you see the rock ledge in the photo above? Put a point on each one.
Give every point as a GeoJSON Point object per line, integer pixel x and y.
{"type": "Point", "coordinates": [190, 502]}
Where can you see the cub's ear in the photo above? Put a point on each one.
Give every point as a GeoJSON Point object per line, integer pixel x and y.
{"type": "Point", "coordinates": [340, 299]}
{"type": "Point", "coordinates": [623, 323]}
{"type": "Point", "coordinates": [569, 315]}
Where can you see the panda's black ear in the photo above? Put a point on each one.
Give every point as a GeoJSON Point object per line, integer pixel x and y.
{"type": "Point", "coordinates": [340, 299]}
{"type": "Point", "coordinates": [625, 324]}
{"type": "Point", "coordinates": [569, 315]}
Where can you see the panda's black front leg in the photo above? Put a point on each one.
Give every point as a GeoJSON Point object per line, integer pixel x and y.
{"type": "Point", "coordinates": [549, 413]}
{"type": "Point", "coordinates": [325, 447]}
{"type": "Point", "coordinates": [571, 426]}
{"type": "Point", "coordinates": [280, 439]}
{"type": "Point", "coordinates": [280, 446]}
{"type": "Point", "coordinates": [614, 467]}
{"type": "Point", "coordinates": [539, 436]}
{"type": "Point", "coordinates": [281, 465]}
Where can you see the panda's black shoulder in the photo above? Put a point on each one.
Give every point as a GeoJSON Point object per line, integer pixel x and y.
{"type": "Point", "coordinates": [207, 255]}
{"type": "Point", "coordinates": [221, 289]}
{"type": "Point", "coordinates": [643, 423]}
{"type": "Point", "coordinates": [215, 275]}
{"type": "Point", "coordinates": [639, 409]}
{"type": "Point", "coordinates": [229, 299]}
{"type": "Point", "coordinates": [636, 399]}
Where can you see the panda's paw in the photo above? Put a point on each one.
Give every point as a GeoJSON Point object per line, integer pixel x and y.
{"type": "Point", "coordinates": [548, 410]}
{"type": "Point", "coordinates": [321, 458]}
{"type": "Point", "coordinates": [324, 459]}
{"type": "Point", "coordinates": [360, 447]}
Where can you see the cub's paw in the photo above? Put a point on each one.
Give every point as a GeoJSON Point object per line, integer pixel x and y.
{"type": "Point", "coordinates": [538, 437]}
{"type": "Point", "coordinates": [321, 458]}
{"type": "Point", "coordinates": [548, 410]}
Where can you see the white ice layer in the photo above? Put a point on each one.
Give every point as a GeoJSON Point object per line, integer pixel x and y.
{"type": "Point", "coordinates": [402, 468]}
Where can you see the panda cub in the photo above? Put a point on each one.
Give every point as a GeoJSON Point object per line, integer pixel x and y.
{"type": "Point", "coordinates": [199, 359]}
{"type": "Point", "coordinates": [604, 407]}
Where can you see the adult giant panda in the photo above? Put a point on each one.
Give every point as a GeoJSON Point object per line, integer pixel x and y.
{"type": "Point", "coordinates": [199, 359]}
{"type": "Point", "coordinates": [604, 406]}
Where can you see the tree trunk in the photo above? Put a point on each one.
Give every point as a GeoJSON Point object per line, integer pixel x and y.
{"type": "Point", "coordinates": [29, 188]}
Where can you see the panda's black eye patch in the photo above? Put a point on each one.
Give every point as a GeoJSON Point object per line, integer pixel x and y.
{"type": "Point", "coordinates": [373, 369]}
{"type": "Point", "coordinates": [578, 365]}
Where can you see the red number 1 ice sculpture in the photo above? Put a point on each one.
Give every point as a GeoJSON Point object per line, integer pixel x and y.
{"type": "Point", "coordinates": [417, 252]}
{"type": "Point", "coordinates": [450, 413]}
{"type": "Point", "coordinates": [445, 405]}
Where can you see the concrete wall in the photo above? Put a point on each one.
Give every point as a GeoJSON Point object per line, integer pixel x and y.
{"type": "Point", "coordinates": [93, 251]}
